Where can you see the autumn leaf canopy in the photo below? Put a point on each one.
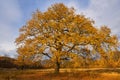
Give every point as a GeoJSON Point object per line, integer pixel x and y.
{"type": "Point", "coordinates": [61, 34]}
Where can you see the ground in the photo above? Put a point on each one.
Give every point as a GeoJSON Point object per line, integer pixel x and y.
{"type": "Point", "coordinates": [65, 74]}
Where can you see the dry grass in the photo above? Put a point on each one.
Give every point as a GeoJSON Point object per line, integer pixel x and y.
{"type": "Point", "coordinates": [64, 75]}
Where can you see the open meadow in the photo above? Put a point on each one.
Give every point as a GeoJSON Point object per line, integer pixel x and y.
{"type": "Point", "coordinates": [65, 74]}
{"type": "Point", "coordinates": [61, 40]}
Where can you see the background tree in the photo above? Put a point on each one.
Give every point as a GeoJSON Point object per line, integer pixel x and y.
{"type": "Point", "coordinates": [7, 62]}
{"type": "Point", "coordinates": [60, 35]}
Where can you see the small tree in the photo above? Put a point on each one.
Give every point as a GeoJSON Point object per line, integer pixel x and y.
{"type": "Point", "coordinates": [60, 34]}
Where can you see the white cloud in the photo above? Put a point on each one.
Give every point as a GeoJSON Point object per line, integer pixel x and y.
{"type": "Point", "coordinates": [10, 14]}
{"type": "Point", "coordinates": [104, 12]}
{"type": "Point", "coordinates": [76, 6]}
{"type": "Point", "coordinates": [73, 4]}
{"type": "Point", "coordinates": [10, 53]}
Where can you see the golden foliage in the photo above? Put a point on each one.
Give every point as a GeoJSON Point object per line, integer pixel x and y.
{"type": "Point", "coordinates": [64, 35]}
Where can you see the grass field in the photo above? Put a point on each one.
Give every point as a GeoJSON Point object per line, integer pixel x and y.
{"type": "Point", "coordinates": [65, 74]}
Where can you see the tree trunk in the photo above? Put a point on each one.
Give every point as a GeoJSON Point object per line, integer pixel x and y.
{"type": "Point", "coordinates": [57, 67]}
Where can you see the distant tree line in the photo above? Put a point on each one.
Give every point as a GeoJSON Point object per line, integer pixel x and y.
{"type": "Point", "coordinates": [111, 62]}
{"type": "Point", "coordinates": [7, 62]}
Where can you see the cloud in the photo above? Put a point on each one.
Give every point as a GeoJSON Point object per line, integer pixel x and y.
{"type": "Point", "coordinates": [104, 12]}
{"type": "Point", "coordinates": [11, 53]}
{"type": "Point", "coordinates": [10, 15]}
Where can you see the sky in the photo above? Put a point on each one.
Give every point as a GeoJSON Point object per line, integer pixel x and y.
{"type": "Point", "coordinates": [15, 13]}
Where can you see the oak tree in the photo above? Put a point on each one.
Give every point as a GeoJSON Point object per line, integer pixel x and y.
{"type": "Point", "coordinates": [60, 34]}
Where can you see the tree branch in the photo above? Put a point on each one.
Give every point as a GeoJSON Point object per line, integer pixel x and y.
{"type": "Point", "coordinates": [65, 58]}
{"type": "Point", "coordinates": [46, 55]}
{"type": "Point", "coordinates": [71, 48]}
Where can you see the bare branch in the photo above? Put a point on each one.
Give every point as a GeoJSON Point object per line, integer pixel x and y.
{"type": "Point", "coordinates": [46, 55]}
